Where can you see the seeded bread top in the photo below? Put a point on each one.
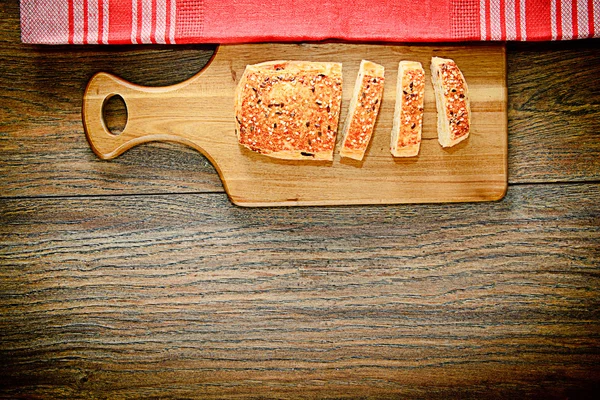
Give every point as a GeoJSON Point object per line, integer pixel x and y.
{"type": "Point", "coordinates": [365, 107]}
{"type": "Point", "coordinates": [289, 109]}
{"type": "Point", "coordinates": [455, 93]}
{"type": "Point", "coordinates": [410, 121]}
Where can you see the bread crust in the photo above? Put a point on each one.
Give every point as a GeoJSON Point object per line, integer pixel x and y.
{"type": "Point", "coordinates": [289, 109]}
{"type": "Point", "coordinates": [363, 110]}
{"type": "Point", "coordinates": [408, 112]}
{"type": "Point", "coordinates": [452, 101]}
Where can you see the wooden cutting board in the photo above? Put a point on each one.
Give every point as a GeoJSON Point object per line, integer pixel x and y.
{"type": "Point", "coordinates": [199, 113]}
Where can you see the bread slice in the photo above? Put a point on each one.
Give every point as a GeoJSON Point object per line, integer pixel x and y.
{"type": "Point", "coordinates": [289, 109]}
{"type": "Point", "coordinates": [363, 110]}
{"type": "Point", "coordinates": [452, 101]}
{"type": "Point", "coordinates": [408, 113]}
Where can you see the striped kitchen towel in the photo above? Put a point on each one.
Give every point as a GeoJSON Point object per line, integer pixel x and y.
{"type": "Point", "coordinates": [242, 21]}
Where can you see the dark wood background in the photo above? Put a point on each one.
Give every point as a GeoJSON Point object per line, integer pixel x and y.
{"type": "Point", "coordinates": [137, 278]}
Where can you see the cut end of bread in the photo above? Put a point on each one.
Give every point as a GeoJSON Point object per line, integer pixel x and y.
{"type": "Point", "coordinates": [363, 110]}
{"type": "Point", "coordinates": [407, 151]}
{"type": "Point", "coordinates": [289, 109]}
{"type": "Point", "coordinates": [408, 113]}
{"type": "Point", "coordinates": [353, 154]}
{"type": "Point", "coordinates": [370, 68]}
{"type": "Point", "coordinates": [452, 102]}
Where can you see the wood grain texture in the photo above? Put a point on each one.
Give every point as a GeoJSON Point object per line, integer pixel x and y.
{"type": "Point", "coordinates": [165, 295]}
{"type": "Point", "coordinates": [187, 296]}
{"type": "Point", "coordinates": [200, 113]}
{"type": "Point", "coordinates": [554, 111]}
{"type": "Point", "coordinates": [44, 151]}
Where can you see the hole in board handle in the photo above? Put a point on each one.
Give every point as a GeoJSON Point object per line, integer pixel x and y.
{"type": "Point", "coordinates": [114, 113]}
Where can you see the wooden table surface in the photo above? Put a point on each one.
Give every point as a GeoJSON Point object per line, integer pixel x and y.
{"type": "Point", "coordinates": [137, 278]}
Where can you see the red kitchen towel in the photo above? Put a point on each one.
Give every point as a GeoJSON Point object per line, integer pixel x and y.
{"type": "Point", "coordinates": [239, 21]}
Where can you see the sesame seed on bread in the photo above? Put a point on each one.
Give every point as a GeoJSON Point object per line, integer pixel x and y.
{"type": "Point", "coordinates": [452, 101]}
{"type": "Point", "coordinates": [363, 110]}
{"type": "Point", "coordinates": [408, 113]}
{"type": "Point", "coordinates": [289, 109]}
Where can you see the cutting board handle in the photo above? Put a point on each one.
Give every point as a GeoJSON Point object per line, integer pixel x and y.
{"type": "Point", "coordinates": [139, 101]}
